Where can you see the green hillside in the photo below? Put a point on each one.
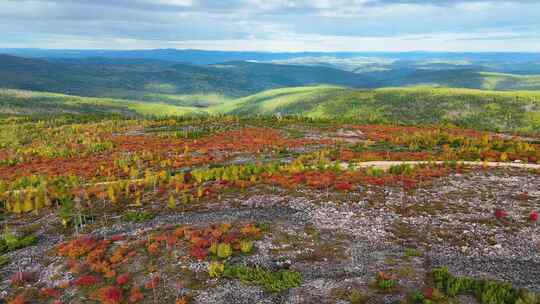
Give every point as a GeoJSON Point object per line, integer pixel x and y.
{"type": "Point", "coordinates": [20, 102]}
{"type": "Point", "coordinates": [284, 100]}
{"type": "Point", "coordinates": [186, 100]}
{"type": "Point", "coordinates": [455, 78]}
{"type": "Point", "coordinates": [490, 110]}
{"type": "Point", "coordinates": [507, 111]}
{"type": "Point", "coordinates": [161, 81]}
{"type": "Point", "coordinates": [500, 81]}
{"type": "Point", "coordinates": [203, 86]}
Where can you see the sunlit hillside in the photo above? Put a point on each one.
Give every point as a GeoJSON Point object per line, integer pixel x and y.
{"type": "Point", "coordinates": [517, 111]}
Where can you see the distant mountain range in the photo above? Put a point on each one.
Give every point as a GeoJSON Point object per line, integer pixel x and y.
{"type": "Point", "coordinates": [162, 80]}
{"type": "Point", "coordinates": [142, 79]}
{"type": "Point", "coordinates": [410, 88]}
{"type": "Point", "coordinates": [211, 57]}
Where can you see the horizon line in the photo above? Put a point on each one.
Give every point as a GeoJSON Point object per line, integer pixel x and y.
{"type": "Point", "coordinates": [269, 52]}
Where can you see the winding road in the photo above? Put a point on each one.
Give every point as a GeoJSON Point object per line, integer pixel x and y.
{"type": "Point", "coordinates": [387, 164]}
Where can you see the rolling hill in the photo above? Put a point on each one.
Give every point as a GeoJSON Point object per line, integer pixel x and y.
{"type": "Point", "coordinates": [491, 110]}
{"type": "Point", "coordinates": [502, 81]}
{"type": "Point", "coordinates": [142, 80]}
{"type": "Point", "coordinates": [487, 110]}
{"type": "Point", "coordinates": [455, 78]}
{"type": "Point", "coordinates": [21, 102]}
{"type": "Point", "coordinates": [169, 82]}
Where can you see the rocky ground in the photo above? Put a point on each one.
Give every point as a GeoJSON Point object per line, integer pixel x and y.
{"type": "Point", "coordinates": [339, 242]}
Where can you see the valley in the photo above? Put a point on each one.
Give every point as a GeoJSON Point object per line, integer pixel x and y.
{"type": "Point", "coordinates": [278, 179]}
{"type": "Point", "coordinates": [269, 152]}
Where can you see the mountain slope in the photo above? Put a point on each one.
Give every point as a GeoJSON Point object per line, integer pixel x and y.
{"type": "Point", "coordinates": [135, 79]}
{"type": "Point", "coordinates": [20, 102]}
{"type": "Point", "coordinates": [500, 81]}
{"type": "Point", "coordinates": [455, 78]}
{"type": "Point", "coordinates": [169, 82]}
{"type": "Point", "coordinates": [285, 101]}
{"type": "Point", "coordinates": [491, 110]}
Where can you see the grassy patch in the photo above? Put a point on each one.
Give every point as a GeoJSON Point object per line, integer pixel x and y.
{"type": "Point", "coordinates": [485, 291]}
{"type": "Point", "coordinates": [271, 281]}
{"type": "Point", "coordinates": [11, 242]}
{"type": "Point", "coordinates": [138, 216]}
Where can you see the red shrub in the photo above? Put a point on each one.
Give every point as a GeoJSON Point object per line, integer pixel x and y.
{"type": "Point", "coordinates": [109, 295]}
{"type": "Point", "coordinates": [123, 278]}
{"type": "Point", "coordinates": [231, 237]}
{"type": "Point", "coordinates": [428, 293]}
{"type": "Point", "coordinates": [343, 186]}
{"type": "Point", "coordinates": [171, 240]}
{"type": "Point", "coordinates": [200, 242]}
{"type": "Point", "coordinates": [63, 284]}
{"type": "Point", "coordinates": [117, 237]}
{"type": "Point", "coordinates": [135, 295]}
{"type": "Point", "coordinates": [533, 217]}
{"type": "Point", "coordinates": [86, 280]}
{"type": "Point", "coordinates": [153, 248]}
{"type": "Point", "coordinates": [19, 299]}
{"type": "Point", "coordinates": [199, 253]}
{"type": "Point", "coordinates": [499, 213]}
{"type": "Point", "coordinates": [78, 247]}
{"type": "Point", "coordinates": [48, 292]}
{"type": "Point", "coordinates": [153, 283]}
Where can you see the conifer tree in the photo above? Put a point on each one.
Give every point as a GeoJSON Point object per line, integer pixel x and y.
{"type": "Point", "coordinates": [133, 173]}
{"type": "Point", "coordinates": [17, 206]}
{"type": "Point", "coordinates": [8, 205]}
{"type": "Point", "coordinates": [171, 202]}
{"type": "Point", "coordinates": [200, 192]}
{"type": "Point", "coordinates": [28, 204]}
{"type": "Point", "coordinates": [127, 188]}
{"type": "Point", "coordinates": [111, 193]}
{"type": "Point", "coordinates": [138, 196]}
{"type": "Point", "coordinates": [46, 199]}
{"type": "Point", "coordinates": [39, 200]}
{"type": "Point", "coordinates": [186, 198]}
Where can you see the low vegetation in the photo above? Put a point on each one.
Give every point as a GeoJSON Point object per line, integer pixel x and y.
{"type": "Point", "coordinates": [270, 281]}
{"type": "Point", "coordinates": [485, 291]}
{"type": "Point", "coordinates": [209, 209]}
{"type": "Point", "coordinates": [486, 110]}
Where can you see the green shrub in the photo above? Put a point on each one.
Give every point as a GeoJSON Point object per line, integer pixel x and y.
{"type": "Point", "coordinates": [386, 285]}
{"type": "Point", "coordinates": [138, 216]}
{"type": "Point", "coordinates": [403, 169]}
{"type": "Point", "coordinates": [485, 291]}
{"type": "Point", "coordinates": [4, 260]}
{"type": "Point", "coordinates": [418, 298]}
{"type": "Point", "coordinates": [224, 250]}
{"type": "Point", "coordinates": [385, 281]}
{"type": "Point", "coordinates": [356, 297]}
{"type": "Point", "coordinates": [528, 298]}
{"type": "Point", "coordinates": [215, 269]}
{"type": "Point", "coordinates": [246, 246]}
{"type": "Point", "coordinates": [10, 242]}
{"type": "Point", "coordinates": [411, 252]}
{"type": "Point", "coordinates": [270, 281]}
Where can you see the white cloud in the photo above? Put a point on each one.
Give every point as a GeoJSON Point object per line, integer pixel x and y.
{"type": "Point", "coordinates": [176, 2]}
{"type": "Point", "coordinates": [276, 25]}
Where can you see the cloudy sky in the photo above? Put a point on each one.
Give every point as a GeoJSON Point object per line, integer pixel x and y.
{"type": "Point", "coordinates": [273, 25]}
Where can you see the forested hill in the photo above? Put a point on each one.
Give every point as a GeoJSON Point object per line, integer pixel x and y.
{"type": "Point", "coordinates": [156, 80]}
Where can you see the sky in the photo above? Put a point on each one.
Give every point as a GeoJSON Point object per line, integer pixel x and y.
{"type": "Point", "coordinates": [273, 25]}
